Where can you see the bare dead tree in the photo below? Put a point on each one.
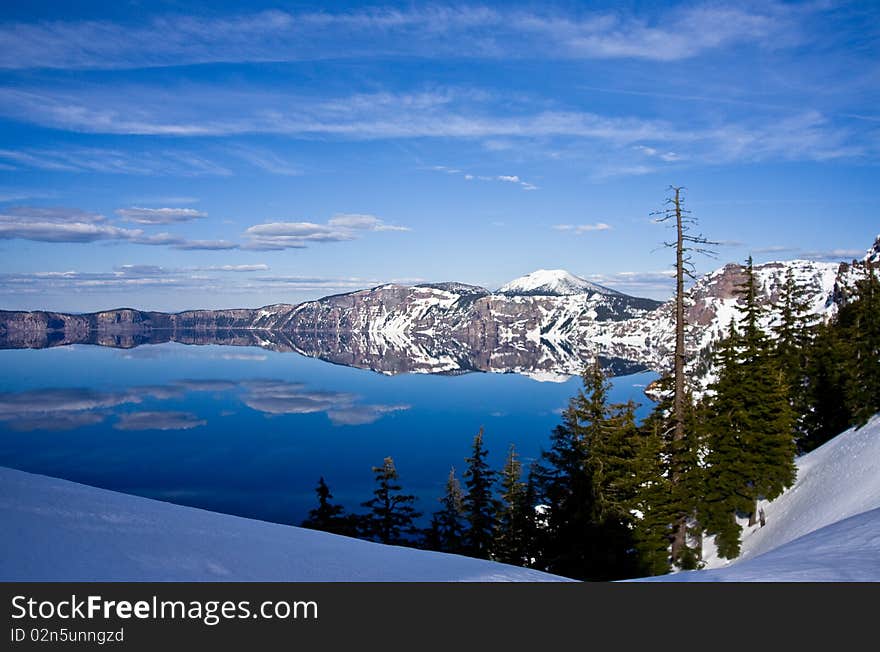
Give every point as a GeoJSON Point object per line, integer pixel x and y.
{"type": "Point", "coordinates": [686, 244]}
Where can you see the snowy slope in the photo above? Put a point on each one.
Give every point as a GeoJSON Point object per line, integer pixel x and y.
{"type": "Point", "coordinates": [845, 551]}
{"type": "Point", "coordinates": [55, 530]}
{"type": "Point", "coordinates": [552, 282]}
{"type": "Point", "coordinates": [835, 481]}
{"type": "Point", "coordinates": [828, 522]}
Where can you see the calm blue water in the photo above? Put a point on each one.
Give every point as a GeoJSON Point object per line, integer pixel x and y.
{"type": "Point", "coordinates": [247, 431]}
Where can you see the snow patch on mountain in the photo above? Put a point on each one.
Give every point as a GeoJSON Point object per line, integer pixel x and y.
{"type": "Point", "coordinates": [554, 283]}
{"type": "Point", "coordinates": [873, 255]}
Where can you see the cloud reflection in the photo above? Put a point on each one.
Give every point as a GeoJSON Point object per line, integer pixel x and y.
{"type": "Point", "coordinates": [158, 420]}
{"type": "Point", "coordinates": [62, 409]}
{"type": "Point", "coordinates": [278, 397]}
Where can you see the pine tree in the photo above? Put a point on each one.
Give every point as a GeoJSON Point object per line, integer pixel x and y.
{"type": "Point", "coordinates": [327, 516]}
{"type": "Point", "coordinates": [589, 480]}
{"type": "Point", "coordinates": [859, 323]}
{"type": "Point", "coordinates": [794, 337]}
{"type": "Point", "coordinates": [450, 520]}
{"type": "Point", "coordinates": [564, 493]}
{"type": "Point", "coordinates": [514, 530]}
{"type": "Point", "coordinates": [391, 514]}
{"type": "Point", "coordinates": [828, 365]}
{"type": "Point", "coordinates": [726, 492]}
{"type": "Point", "coordinates": [480, 505]}
{"type": "Point", "coordinates": [750, 440]}
{"type": "Point", "coordinates": [659, 502]}
{"type": "Point", "coordinates": [843, 365]}
{"type": "Point", "coordinates": [771, 431]}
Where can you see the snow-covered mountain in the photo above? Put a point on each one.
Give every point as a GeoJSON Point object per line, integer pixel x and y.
{"type": "Point", "coordinates": [547, 324]}
{"type": "Point", "coordinates": [552, 283]}
{"type": "Point", "coordinates": [429, 328]}
{"type": "Point", "coordinates": [873, 255]}
{"type": "Point", "coordinates": [713, 302]}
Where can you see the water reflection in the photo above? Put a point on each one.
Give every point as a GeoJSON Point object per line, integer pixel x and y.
{"type": "Point", "coordinates": [61, 409]}
{"type": "Point", "coordinates": [204, 426]}
{"type": "Point", "coordinates": [539, 358]}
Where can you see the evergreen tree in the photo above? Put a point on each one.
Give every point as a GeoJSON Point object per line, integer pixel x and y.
{"type": "Point", "coordinates": [450, 520]}
{"type": "Point", "coordinates": [794, 333]}
{"type": "Point", "coordinates": [726, 492]}
{"type": "Point", "coordinates": [564, 493]}
{"type": "Point", "coordinates": [859, 323]}
{"type": "Point", "coordinates": [828, 412]}
{"type": "Point", "coordinates": [391, 514]}
{"type": "Point", "coordinates": [479, 502]}
{"type": "Point", "coordinates": [750, 442]}
{"type": "Point", "coordinates": [514, 530]}
{"type": "Point", "coordinates": [327, 516]}
{"type": "Point", "coordinates": [658, 501]}
{"type": "Point", "coordinates": [588, 481]}
{"type": "Point", "coordinates": [431, 539]}
{"type": "Point", "coordinates": [843, 365]}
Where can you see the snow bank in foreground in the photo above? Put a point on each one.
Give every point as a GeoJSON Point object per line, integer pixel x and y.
{"type": "Point", "coordinates": [59, 530]}
{"type": "Point", "coordinates": [846, 551]}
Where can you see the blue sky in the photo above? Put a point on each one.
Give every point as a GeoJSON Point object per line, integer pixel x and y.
{"type": "Point", "coordinates": [173, 155]}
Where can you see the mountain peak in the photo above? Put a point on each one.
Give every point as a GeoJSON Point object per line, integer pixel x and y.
{"type": "Point", "coordinates": [552, 282]}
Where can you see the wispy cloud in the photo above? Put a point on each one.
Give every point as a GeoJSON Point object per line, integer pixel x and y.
{"type": "Point", "coordinates": [451, 113]}
{"type": "Point", "coordinates": [830, 255]}
{"type": "Point", "coordinates": [504, 178]}
{"type": "Point", "coordinates": [579, 229]}
{"type": "Point", "coordinates": [259, 267]}
{"type": "Point", "coordinates": [204, 245]}
{"type": "Point", "coordinates": [60, 225]}
{"type": "Point", "coordinates": [297, 235]}
{"type": "Point", "coordinates": [463, 31]}
{"type": "Point", "coordinates": [667, 156]}
{"type": "Point", "coordinates": [102, 160]}
{"type": "Point", "coordinates": [658, 284]}
{"type": "Point", "coordinates": [266, 161]}
{"type": "Point", "coordinates": [71, 225]}
{"type": "Point", "coordinates": [628, 144]}
{"type": "Point", "coordinates": [19, 194]}
{"type": "Point", "coordinates": [159, 215]}
{"type": "Point", "coordinates": [243, 279]}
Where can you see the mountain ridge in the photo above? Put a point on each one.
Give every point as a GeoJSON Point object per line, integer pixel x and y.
{"type": "Point", "coordinates": [455, 327]}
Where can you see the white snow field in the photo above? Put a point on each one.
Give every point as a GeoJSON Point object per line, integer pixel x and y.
{"type": "Point", "coordinates": [826, 527]}
{"type": "Point", "coordinates": [55, 530]}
